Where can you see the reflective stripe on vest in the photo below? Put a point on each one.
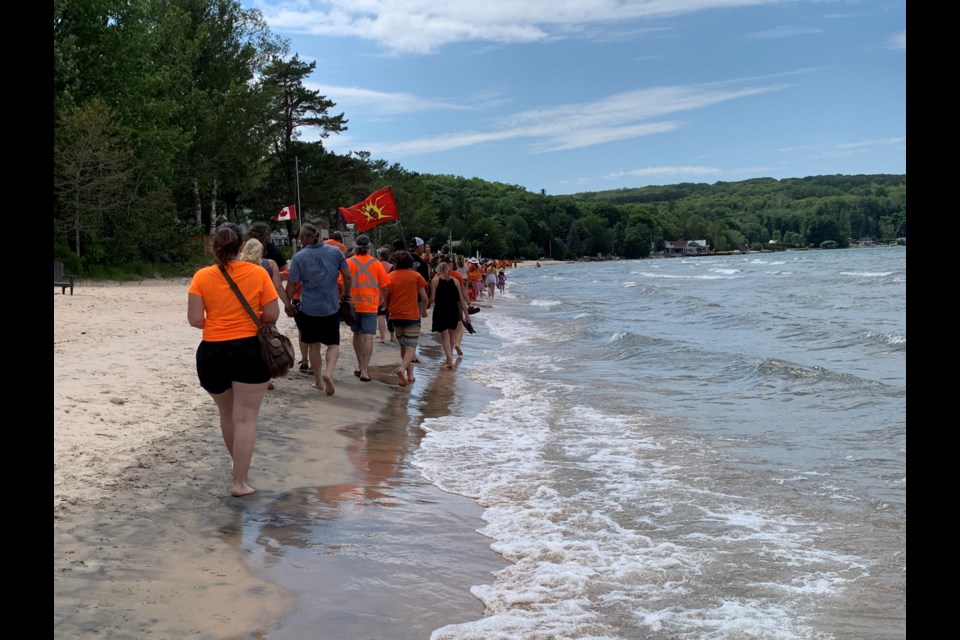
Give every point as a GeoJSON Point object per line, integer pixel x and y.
{"type": "Point", "coordinates": [371, 299]}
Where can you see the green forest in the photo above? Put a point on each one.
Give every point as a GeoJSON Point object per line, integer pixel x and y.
{"type": "Point", "coordinates": [173, 116]}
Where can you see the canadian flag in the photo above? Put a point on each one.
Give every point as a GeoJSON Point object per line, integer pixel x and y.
{"type": "Point", "coordinates": [289, 212]}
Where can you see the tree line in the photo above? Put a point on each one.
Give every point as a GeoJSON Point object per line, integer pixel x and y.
{"type": "Point", "coordinates": [172, 116]}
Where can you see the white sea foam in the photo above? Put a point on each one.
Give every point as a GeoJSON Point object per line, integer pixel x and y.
{"type": "Point", "coordinates": [672, 276]}
{"type": "Point", "coordinates": [889, 338]}
{"type": "Point", "coordinates": [867, 274]}
{"type": "Point", "coordinates": [545, 303]}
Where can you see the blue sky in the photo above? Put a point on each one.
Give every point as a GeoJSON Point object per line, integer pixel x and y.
{"type": "Point", "coordinates": [587, 95]}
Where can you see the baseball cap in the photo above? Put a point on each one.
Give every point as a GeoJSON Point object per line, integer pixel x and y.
{"type": "Point", "coordinates": [362, 240]}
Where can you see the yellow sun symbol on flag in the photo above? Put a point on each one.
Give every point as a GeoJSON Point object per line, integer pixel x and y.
{"type": "Point", "coordinates": [373, 211]}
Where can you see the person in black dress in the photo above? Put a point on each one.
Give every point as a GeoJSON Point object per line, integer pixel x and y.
{"type": "Point", "coordinates": [449, 307]}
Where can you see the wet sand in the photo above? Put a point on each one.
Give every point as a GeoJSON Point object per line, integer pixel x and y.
{"type": "Point", "coordinates": [341, 532]}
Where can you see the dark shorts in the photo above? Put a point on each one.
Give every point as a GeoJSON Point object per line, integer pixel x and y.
{"type": "Point", "coordinates": [407, 331]}
{"type": "Point", "coordinates": [384, 312]}
{"type": "Point", "coordinates": [322, 329]}
{"type": "Point", "coordinates": [364, 323]}
{"type": "Point", "coordinates": [220, 364]}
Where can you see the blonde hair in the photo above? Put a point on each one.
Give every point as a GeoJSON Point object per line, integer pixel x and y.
{"type": "Point", "coordinates": [443, 270]}
{"type": "Point", "coordinates": [252, 251]}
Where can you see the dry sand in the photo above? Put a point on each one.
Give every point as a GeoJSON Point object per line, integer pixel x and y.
{"type": "Point", "coordinates": [146, 535]}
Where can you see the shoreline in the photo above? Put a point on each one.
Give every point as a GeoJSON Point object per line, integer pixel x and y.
{"type": "Point", "coordinates": [147, 539]}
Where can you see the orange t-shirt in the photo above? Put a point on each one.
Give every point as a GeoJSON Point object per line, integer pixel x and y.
{"type": "Point", "coordinates": [336, 243]}
{"type": "Point", "coordinates": [405, 286]}
{"type": "Point", "coordinates": [368, 279]}
{"type": "Point", "coordinates": [226, 319]}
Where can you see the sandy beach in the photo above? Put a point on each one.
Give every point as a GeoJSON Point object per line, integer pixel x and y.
{"type": "Point", "coordinates": [147, 540]}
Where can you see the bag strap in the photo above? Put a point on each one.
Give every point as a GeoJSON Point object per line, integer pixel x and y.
{"type": "Point", "coordinates": [243, 301]}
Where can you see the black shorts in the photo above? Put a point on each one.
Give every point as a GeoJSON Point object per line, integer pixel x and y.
{"type": "Point", "coordinates": [220, 364]}
{"type": "Point", "coordinates": [322, 329]}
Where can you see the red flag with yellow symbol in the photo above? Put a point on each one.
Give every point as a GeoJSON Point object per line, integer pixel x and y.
{"type": "Point", "coordinates": [376, 208]}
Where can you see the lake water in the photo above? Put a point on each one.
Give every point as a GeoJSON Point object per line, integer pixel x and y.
{"type": "Point", "coordinates": [682, 448]}
{"type": "Point", "coordinates": [704, 447]}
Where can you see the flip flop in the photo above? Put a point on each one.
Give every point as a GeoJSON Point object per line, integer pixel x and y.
{"type": "Point", "coordinates": [356, 372]}
{"type": "Point", "coordinates": [365, 379]}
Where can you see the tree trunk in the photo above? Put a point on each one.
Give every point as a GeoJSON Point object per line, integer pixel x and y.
{"type": "Point", "coordinates": [198, 210]}
{"type": "Point", "coordinates": [213, 207]}
{"type": "Point", "coordinates": [77, 231]}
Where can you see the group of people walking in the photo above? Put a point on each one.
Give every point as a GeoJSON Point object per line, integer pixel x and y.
{"type": "Point", "coordinates": [390, 291]}
{"type": "Point", "coordinates": [486, 277]}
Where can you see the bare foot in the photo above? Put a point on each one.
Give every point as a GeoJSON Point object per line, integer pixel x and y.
{"type": "Point", "coordinates": [401, 377]}
{"type": "Point", "coordinates": [328, 385]}
{"type": "Point", "coordinates": [448, 364]}
{"type": "Point", "coordinates": [242, 490]}
{"type": "Point", "coordinates": [459, 350]}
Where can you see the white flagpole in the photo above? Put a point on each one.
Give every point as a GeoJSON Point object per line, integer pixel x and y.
{"type": "Point", "coordinates": [296, 168]}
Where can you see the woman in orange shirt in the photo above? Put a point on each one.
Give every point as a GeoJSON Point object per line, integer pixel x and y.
{"type": "Point", "coordinates": [229, 364]}
{"type": "Point", "coordinates": [407, 305]}
{"type": "Point", "coordinates": [475, 276]}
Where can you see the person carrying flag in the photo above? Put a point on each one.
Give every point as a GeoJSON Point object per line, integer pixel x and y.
{"type": "Point", "coordinates": [336, 239]}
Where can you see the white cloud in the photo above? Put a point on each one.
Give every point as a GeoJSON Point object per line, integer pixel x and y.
{"type": "Point", "coordinates": [614, 118]}
{"type": "Point", "coordinates": [898, 41]}
{"type": "Point", "coordinates": [873, 143]}
{"type": "Point", "coordinates": [434, 144]}
{"type": "Point", "coordinates": [846, 149]}
{"type": "Point", "coordinates": [355, 99]}
{"type": "Point", "coordinates": [785, 32]}
{"type": "Point", "coordinates": [666, 171]}
{"type": "Point", "coordinates": [422, 26]}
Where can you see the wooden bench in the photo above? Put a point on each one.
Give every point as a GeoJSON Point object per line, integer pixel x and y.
{"type": "Point", "coordinates": [61, 279]}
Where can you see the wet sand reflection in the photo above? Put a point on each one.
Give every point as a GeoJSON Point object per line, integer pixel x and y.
{"type": "Point", "coordinates": [385, 555]}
